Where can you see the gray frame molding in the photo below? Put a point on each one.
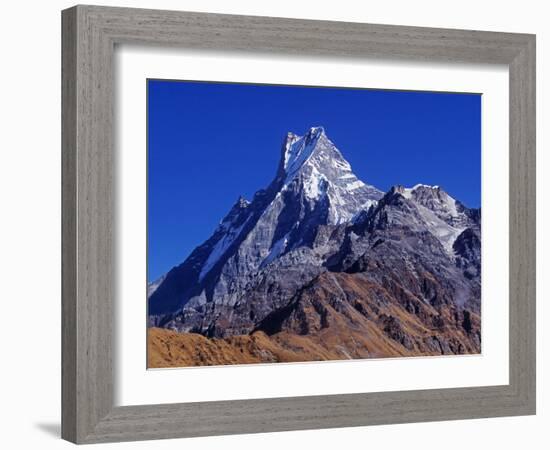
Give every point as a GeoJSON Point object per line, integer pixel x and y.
{"type": "Point", "coordinates": [89, 37]}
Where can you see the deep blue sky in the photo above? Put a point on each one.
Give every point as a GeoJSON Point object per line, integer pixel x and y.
{"type": "Point", "coordinates": [209, 143]}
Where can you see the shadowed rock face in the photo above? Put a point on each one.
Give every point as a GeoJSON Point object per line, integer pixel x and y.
{"type": "Point", "coordinates": [321, 255]}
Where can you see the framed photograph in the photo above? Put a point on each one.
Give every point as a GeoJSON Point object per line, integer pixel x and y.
{"type": "Point", "coordinates": [268, 222]}
{"type": "Point", "coordinates": [314, 263]}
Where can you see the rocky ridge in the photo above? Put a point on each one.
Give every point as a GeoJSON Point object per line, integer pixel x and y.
{"type": "Point", "coordinates": [323, 256]}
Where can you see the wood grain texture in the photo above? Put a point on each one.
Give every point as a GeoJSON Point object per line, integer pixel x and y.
{"type": "Point", "coordinates": [68, 225]}
{"type": "Point", "coordinates": [89, 37]}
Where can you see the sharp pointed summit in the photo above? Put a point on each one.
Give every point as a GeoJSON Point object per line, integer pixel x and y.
{"type": "Point", "coordinates": [298, 149]}
{"type": "Point", "coordinates": [312, 166]}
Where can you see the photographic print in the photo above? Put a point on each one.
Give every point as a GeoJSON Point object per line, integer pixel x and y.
{"type": "Point", "coordinates": [303, 223]}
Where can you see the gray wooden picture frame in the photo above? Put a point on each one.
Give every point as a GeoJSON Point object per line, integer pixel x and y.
{"type": "Point", "coordinates": [90, 34]}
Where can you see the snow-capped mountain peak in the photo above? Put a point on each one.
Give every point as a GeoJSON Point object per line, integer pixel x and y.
{"type": "Point", "coordinates": [313, 165]}
{"type": "Point", "coordinates": [298, 149]}
{"type": "Point", "coordinates": [314, 187]}
{"type": "Point", "coordinates": [442, 215]}
{"type": "Point", "coordinates": [436, 200]}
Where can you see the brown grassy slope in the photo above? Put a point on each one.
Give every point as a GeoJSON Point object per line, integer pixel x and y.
{"type": "Point", "coordinates": [341, 316]}
{"type": "Point", "coordinates": [171, 349]}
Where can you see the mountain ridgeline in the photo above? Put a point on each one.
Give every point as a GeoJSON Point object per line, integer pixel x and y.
{"type": "Point", "coordinates": [320, 265]}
